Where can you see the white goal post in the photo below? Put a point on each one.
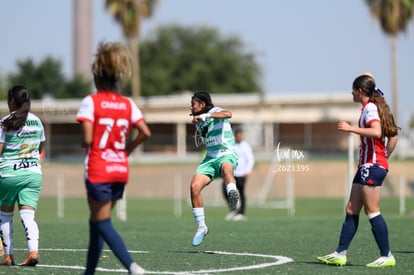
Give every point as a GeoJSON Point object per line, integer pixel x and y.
{"type": "Point", "coordinates": [274, 181]}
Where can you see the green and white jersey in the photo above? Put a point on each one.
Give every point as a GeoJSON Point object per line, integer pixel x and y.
{"type": "Point", "coordinates": [20, 153]}
{"type": "Point", "coordinates": [217, 135]}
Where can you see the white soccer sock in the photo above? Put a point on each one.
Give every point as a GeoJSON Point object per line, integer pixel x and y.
{"type": "Point", "coordinates": [230, 186]}
{"type": "Point", "coordinates": [6, 227]}
{"type": "Point", "coordinates": [342, 253]}
{"type": "Point", "coordinates": [199, 217]}
{"type": "Point", "coordinates": [373, 215]}
{"type": "Point", "coordinates": [31, 229]}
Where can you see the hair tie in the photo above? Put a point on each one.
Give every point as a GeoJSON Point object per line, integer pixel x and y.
{"type": "Point", "coordinates": [378, 91]}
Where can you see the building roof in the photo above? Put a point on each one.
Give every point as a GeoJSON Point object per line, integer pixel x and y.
{"type": "Point", "coordinates": [276, 108]}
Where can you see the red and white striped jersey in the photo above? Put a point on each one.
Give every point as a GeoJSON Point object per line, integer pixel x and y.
{"type": "Point", "coordinates": [112, 116]}
{"type": "Point", "coordinates": [372, 150]}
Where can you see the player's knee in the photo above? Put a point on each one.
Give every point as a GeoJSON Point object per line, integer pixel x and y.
{"type": "Point", "coordinates": [227, 168]}
{"type": "Point", "coordinates": [195, 187]}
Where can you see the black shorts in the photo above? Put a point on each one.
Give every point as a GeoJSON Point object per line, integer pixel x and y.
{"type": "Point", "coordinates": [372, 175]}
{"type": "Point", "coordinates": [105, 191]}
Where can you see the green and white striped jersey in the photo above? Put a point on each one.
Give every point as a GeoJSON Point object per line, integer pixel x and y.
{"type": "Point", "coordinates": [21, 148]}
{"type": "Point", "coordinates": [217, 135]}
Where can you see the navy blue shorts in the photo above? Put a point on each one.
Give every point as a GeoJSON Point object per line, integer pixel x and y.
{"type": "Point", "coordinates": [105, 191]}
{"type": "Point", "coordinates": [372, 175]}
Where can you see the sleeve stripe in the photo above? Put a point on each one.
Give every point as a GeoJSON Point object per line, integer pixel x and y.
{"type": "Point", "coordinates": [138, 121]}
{"type": "Point", "coordinates": [84, 119]}
{"type": "Point", "coordinates": [372, 120]}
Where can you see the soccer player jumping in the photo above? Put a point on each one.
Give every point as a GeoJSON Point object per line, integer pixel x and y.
{"type": "Point", "coordinates": [214, 130]}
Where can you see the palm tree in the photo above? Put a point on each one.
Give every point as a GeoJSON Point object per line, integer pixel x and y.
{"type": "Point", "coordinates": [129, 13]}
{"type": "Point", "coordinates": [393, 16]}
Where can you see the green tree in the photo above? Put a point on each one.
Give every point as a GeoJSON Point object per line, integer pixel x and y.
{"type": "Point", "coordinates": [3, 88]}
{"type": "Point", "coordinates": [412, 123]}
{"type": "Point", "coordinates": [393, 16]}
{"type": "Point", "coordinates": [76, 87]}
{"type": "Point", "coordinates": [178, 58]}
{"type": "Point", "coordinates": [46, 78]}
{"type": "Point", "coordinates": [129, 14]}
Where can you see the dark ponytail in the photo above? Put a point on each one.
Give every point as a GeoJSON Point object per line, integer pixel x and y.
{"type": "Point", "coordinates": [19, 104]}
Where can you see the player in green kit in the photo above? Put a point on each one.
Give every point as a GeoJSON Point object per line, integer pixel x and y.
{"type": "Point", "coordinates": [213, 129]}
{"type": "Point", "coordinates": [21, 141]}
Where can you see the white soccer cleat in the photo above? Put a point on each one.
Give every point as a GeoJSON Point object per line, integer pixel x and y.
{"type": "Point", "coordinates": [202, 231]}
{"type": "Point", "coordinates": [230, 216]}
{"type": "Point", "coordinates": [239, 217]}
{"type": "Point", "coordinates": [136, 269]}
{"type": "Point", "coordinates": [384, 261]}
{"type": "Point", "coordinates": [333, 259]}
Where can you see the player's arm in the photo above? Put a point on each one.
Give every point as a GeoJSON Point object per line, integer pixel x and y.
{"type": "Point", "coordinates": [373, 131]}
{"type": "Point", "coordinates": [250, 158]}
{"type": "Point", "coordinates": [85, 117]}
{"type": "Point", "coordinates": [143, 133]}
{"type": "Point", "coordinates": [87, 133]}
{"type": "Point", "coordinates": [41, 145]}
{"type": "Point", "coordinates": [392, 142]}
{"type": "Point", "coordinates": [220, 114]}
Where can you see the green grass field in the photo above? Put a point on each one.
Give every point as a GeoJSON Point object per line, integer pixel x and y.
{"type": "Point", "coordinates": [161, 243]}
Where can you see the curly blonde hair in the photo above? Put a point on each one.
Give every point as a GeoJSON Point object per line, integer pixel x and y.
{"type": "Point", "coordinates": [367, 83]}
{"type": "Point", "coordinates": [112, 62]}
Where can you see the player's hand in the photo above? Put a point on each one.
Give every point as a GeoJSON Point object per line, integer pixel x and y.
{"type": "Point", "coordinates": [195, 120]}
{"type": "Point", "coordinates": [344, 126]}
{"type": "Point", "coordinates": [202, 117]}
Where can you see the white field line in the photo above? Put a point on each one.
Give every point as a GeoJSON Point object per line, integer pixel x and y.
{"type": "Point", "coordinates": [276, 260]}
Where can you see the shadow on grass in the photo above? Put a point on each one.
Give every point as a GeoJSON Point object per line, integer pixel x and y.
{"type": "Point", "coordinates": [194, 252]}
{"type": "Point", "coordinates": [402, 252]}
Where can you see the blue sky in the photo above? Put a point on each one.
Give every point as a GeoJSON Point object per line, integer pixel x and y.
{"type": "Point", "coordinates": [304, 46]}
